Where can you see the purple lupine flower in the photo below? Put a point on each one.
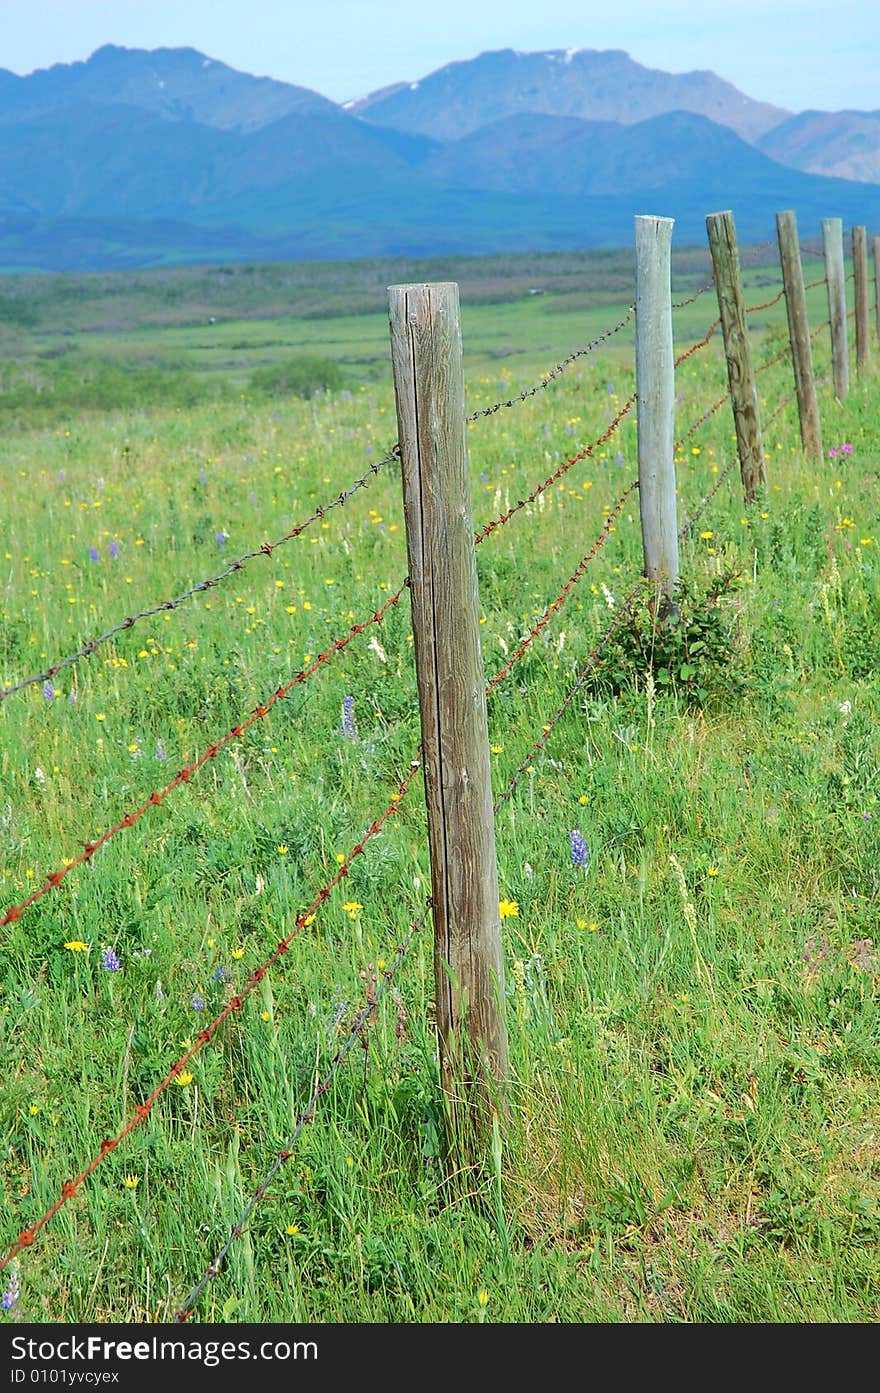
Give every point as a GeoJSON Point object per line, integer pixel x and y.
{"type": "Point", "coordinates": [160, 749]}
{"type": "Point", "coordinates": [619, 460]}
{"type": "Point", "coordinates": [94, 554]}
{"type": "Point", "coordinates": [348, 723]}
{"type": "Point", "coordinates": [114, 549]}
{"type": "Point", "coordinates": [71, 700]}
{"type": "Point", "coordinates": [203, 476]}
{"type": "Point", "coordinates": [12, 1292]}
{"type": "Point", "coordinates": [48, 691]}
{"type": "Point", "coordinates": [220, 538]}
{"type": "Point", "coordinates": [197, 1002]}
{"type": "Point", "coordinates": [110, 962]}
{"type": "Point", "coordinates": [579, 853]}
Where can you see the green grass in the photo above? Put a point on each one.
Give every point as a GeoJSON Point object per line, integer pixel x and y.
{"type": "Point", "coordinates": [693, 1017]}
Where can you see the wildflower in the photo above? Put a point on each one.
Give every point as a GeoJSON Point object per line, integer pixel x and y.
{"type": "Point", "coordinates": [114, 550]}
{"type": "Point", "coordinates": [48, 691]}
{"type": "Point", "coordinates": [508, 909]}
{"type": "Point", "coordinates": [282, 850]}
{"type": "Point", "coordinates": [76, 945]}
{"type": "Point", "coordinates": [110, 962]}
{"type": "Point", "coordinates": [348, 723]}
{"type": "Point", "coordinates": [131, 1182]}
{"type": "Point", "coordinates": [483, 1297]}
{"type": "Point", "coordinates": [12, 1292]}
{"type": "Point", "coordinates": [160, 750]}
{"type": "Point", "coordinates": [94, 554]}
{"type": "Point", "coordinates": [220, 538]}
{"type": "Point", "coordinates": [160, 995]}
{"type": "Point", "coordinates": [183, 1079]}
{"type": "Point", "coordinates": [197, 1002]}
{"type": "Point", "coordinates": [219, 974]}
{"type": "Point", "coordinates": [238, 953]}
{"type": "Point", "coordinates": [292, 1229]}
{"type": "Point", "coordinates": [712, 870]}
{"type": "Point", "coordinates": [351, 908]}
{"type": "Point", "coordinates": [579, 853]}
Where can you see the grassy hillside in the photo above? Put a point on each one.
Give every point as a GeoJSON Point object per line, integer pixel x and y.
{"type": "Point", "coordinates": [692, 1004]}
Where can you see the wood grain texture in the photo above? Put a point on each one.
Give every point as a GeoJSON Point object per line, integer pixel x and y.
{"type": "Point", "coordinates": [468, 960]}
{"type": "Point", "coordinates": [655, 389]}
{"type": "Point", "coordinates": [799, 334]}
{"type": "Point", "coordinates": [862, 314]}
{"type": "Point", "coordinates": [832, 246]}
{"type": "Point", "coordinates": [737, 350]}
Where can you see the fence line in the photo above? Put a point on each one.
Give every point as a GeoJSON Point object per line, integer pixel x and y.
{"type": "Point", "coordinates": [560, 368]}
{"type": "Point", "coordinates": [266, 549]}
{"type": "Point", "coordinates": [56, 877]}
{"type": "Point", "coordinates": [70, 1188]}
{"type": "Point", "coordinates": [585, 453]}
{"type": "Point", "coordinates": [357, 1031]}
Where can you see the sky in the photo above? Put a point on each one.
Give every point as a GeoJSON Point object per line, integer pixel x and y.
{"type": "Point", "coordinates": [797, 54]}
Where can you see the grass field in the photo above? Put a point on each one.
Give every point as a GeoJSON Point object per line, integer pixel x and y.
{"type": "Point", "coordinates": [693, 1009]}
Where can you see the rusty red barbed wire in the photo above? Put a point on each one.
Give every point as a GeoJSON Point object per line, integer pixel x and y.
{"type": "Point", "coordinates": [767, 304]}
{"type": "Point", "coordinates": [357, 1031]}
{"type": "Point", "coordinates": [771, 362]}
{"type": "Point", "coordinates": [266, 549]}
{"type": "Point", "coordinates": [566, 589]}
{"type": "Point", "coordinates": [701, 420]}
{"type": "Point", "coordinates": [555, 372]}
{"type": "Point", "coordinates": [15, 911]}
{"type": "Point", "coordinates": [592, 657]}
{"type": "Point", "coordinates": [550, 725]}
{"type": "Point", "coordinates": [695, 347]}
{"type": "Point", "coordinates": [563, 469]}
{"type": "Point", "coordinates": [71, 1187]}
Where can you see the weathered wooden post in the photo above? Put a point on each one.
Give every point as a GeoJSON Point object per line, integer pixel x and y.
{"type": "Point", "coordinates": [875, 247]}
{"type": "Point", "coordinates": [743, 392]}
{"type": "Point", "coordinates": [799, 334]}
{"type": "Point", "coordinates": [468, 959]}
{"type": "Point", "coordinates": [860, 278]}
{"type": "Point", "coordinates": [832, 245]}
{"type": "Point", "coordinates": [655, 390]}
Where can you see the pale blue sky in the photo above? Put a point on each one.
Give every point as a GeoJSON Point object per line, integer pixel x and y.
{"type": "Point", "coordinates": [797, 54]}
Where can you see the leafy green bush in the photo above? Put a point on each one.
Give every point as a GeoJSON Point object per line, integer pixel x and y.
{"type": "Point", "coordinates": [301, 375]}
{"type": "Point", "coordinates": [691, 649]}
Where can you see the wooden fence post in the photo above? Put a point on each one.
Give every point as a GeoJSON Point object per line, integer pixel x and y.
{"type": "Point", "coordinates": [655, 390]}
{"type": "Point", "coordinates": [468, 959]}
{"type": "Point", "coordinates": [743, 392]}
{"type": "Point", "coordinates": [860, 277]}
{"type": "Point", "coordinates": [875, 247]}
{"type": "Point", "coordinates": [799, 334]}
{"type": "Point", "coordinates": [832, 244]}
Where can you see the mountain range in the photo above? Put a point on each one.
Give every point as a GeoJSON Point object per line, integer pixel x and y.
{"type": "Point", "coordinates": [137, 157]}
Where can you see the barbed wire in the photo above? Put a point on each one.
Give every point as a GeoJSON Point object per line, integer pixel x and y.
{"type": "Point", "coordinates": [680, 304]}
{"type": "Point", "coordinates": [695, 347]}
{"type": "Point", "coordinates": [357, 1031]}
{"type": "Point", "coordinates": [771, 362]}
{"type": "Point", "coordinates": [566, 589]}
{"type": "Point", "coordinates": [619, 617]}
{"type": "Point", "coordinates": [555, 372]}
{"type": "Point", "coordinates": [490, 527]}
{"type": "Point", "coordinates": [15, 911]}
{"type": "Point", "coordinates": [71, 1187]}
{"type": "Point", "coordinates": [767, 304]}
{"type": "Point", "coordinates": [266, 549]}
{"type": "Point", "coordinates": [584, 673]}
{"type": "Point", "coordinates": [701, 420]}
